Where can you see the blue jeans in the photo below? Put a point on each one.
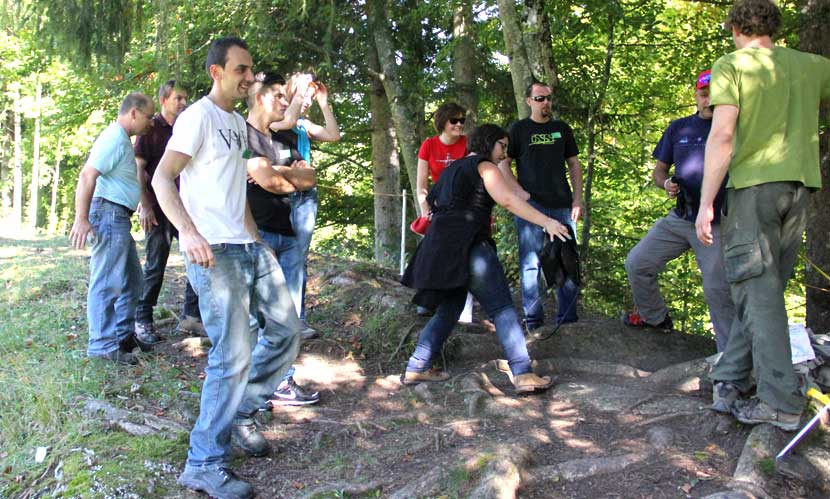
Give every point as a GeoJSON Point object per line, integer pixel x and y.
{"type": "Point", "coordinates": [115, 279]}
{"type": "Point", "coordinates": [531, 240]}
{"type": "Point", "coordinates": [489, 285]}
{"type": "Point", "coordinates": [303, 219]}
{"type": "Point", "coordinates": [244, 366]}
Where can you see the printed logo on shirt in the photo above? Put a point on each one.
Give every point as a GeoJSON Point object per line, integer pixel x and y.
{"type": "Point", "coordinates": [231, 136]}
{"type": "Point", "coordinates": [539, 139]}
{"type": "Point", "coordinates": [446, 161]}
{"type": "Point", "coordinates": [691, 140]}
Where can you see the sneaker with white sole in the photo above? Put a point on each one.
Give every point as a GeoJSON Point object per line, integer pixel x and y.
{"type": "Point", "coordinates": [290, 393]}
{"type": "Point", "coordinates": [724, 395]}
{"type": "Point", "coordinates": [221, 483]}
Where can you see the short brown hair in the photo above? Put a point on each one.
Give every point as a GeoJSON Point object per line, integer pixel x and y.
{"type": "Point", "coordinates": [755, 17]}
{"type": "Point", "coordinates": [446, 111]}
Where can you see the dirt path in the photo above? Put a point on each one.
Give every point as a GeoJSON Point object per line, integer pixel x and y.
{"type": "Point", "coordinates": [617, 423]}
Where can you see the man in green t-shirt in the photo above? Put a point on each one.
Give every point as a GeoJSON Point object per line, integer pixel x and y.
{"type": "Point", "coordinates": [765, 134]}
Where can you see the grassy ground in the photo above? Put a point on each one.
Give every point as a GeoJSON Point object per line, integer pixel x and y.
{"type": "Point", "coordinates": [46, 376]}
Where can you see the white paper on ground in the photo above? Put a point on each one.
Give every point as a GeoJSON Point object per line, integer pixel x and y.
{"type": "Point", "coordinates": [800, 344]}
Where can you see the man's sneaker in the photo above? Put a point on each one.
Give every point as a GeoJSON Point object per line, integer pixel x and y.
{"type": "Point", "coordinates": [756, 411]}
{"type": "Point", "coordinates": [290, 393]}
{"type": "Point", "coordinates": [308, 332]}
{"type": "Point", "coordinates": [220, 483]}
{"type": "Point", "coordinates": [118, 356]}
{"type": "Point", "coordinates": [249, 439]}
{"type": "Point", "coordinates": [191, 325]}
{"type": "Point", "coordinates": [634, 320]}
{"type": "Point", "coordinates": [431, 376]}
{"type": "Point", "coordinates": [146, 335]}
{"type": "Point", "coordinates": [724, 395]}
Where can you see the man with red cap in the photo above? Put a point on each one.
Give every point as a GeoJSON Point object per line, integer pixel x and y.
{"type": "Point", "coordinates": [682, 145]}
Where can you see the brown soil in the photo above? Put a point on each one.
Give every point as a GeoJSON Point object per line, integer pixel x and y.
{"type": "Point", "coordinates": [369, 434]}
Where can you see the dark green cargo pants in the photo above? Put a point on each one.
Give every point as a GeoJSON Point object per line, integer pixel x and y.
{"type": "Point", "coordinates": [762, 235]}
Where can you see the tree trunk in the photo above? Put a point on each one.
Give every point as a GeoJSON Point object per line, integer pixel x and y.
{"type": "Point", "coordinates": [520, 71]}
{"type": "Point", "coordinates": [815, 38]}
{"type": "Point", "coordinates": [53, 204]}
{"type": "Point", "coordinates": [537, 41]}
{"type": "Point", "coordinates": [17, 195]}
{"type": "Point", "coordinates": [386, 172]}
{"type": "Point", "coordinates": [35, 183]}
{"type": "Point", "coordinates": [404, 114]}
{"type": "Point", "coordinates": [464, 61]}
{"type": "Point", "coordinates": [593, 114]}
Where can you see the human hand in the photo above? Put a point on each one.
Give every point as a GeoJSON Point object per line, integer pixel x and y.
{"type": "Point", "coordinates": [198, 249]}
{"type": "Point", "coordinates": [576, 210]}
{"type": "Point", "coordinates": [671, 188]}
{"type": "Point", "coordinates": [146, 218]}
{"type": "Point", "coordinates": [80, 230]}
{"type": "Point", "coordinates": [556, 229]}
{"type": "Point", "coordinates": [322, 94]}
{"type": "Point", "coordinates": [703, 224]}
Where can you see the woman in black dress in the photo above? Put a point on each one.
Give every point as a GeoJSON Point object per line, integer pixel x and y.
{"type": "Point", "coordinates": [458, 254]}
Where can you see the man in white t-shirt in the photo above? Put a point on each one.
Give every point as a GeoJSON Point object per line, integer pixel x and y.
{"type": "Point", "coordinates": [235, 275]}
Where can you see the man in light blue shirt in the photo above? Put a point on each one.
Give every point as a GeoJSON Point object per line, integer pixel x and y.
{"type": "Point", "coordinates": [108, 193]}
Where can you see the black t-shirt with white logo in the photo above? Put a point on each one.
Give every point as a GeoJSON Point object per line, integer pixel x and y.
{"type": "Point", "coordinates": [272, 212]}
{"type": "Point", "coordinates": [540, 150]}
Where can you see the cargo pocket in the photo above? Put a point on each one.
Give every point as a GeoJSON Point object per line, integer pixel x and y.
{"type": "Point", "coordinates": [742, 255]}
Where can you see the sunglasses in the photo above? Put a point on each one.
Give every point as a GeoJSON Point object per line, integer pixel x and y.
{"type": "Point", "coordinates": [455, 121]}
{"type": "Point", "coordinates": [541, 98]}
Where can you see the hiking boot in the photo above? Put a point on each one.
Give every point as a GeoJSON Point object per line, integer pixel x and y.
{"type": "Point", "coordinates": [118, 356]}
{"type": "Point", "coordinates": [191, 325]}
{"type": "Point", "coordinates": [249, 439]}
{"type": "Point", "coordinates": [724, 395]}
{"type": "Point", "coordinates": [756, 411]}
{"type": "Point", "coordinates": [221, 483]}
{"type": "Point", "coordinates": [530, 383]}
{"type": "Point", "coordinates": [431, 376]}
{"type": "Point", "coordinates": [146, 335]}
{"type": "Point", "coordinates": [290, 393]}
{"type": "Point", "coordinates": [634, 320]}
{"type": "Point", "coordinates": [308, 332]}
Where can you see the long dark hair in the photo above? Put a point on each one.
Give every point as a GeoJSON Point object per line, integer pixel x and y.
{"type": "Point", "coordinates": [482, 140]}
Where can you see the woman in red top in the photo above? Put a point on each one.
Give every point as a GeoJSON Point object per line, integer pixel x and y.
{"type": "Point", "coordinates": [439, 151]}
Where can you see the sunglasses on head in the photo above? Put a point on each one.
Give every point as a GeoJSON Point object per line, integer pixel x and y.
{"type": "Point", "coordinates": [455, 121]}
{"type": "Point", "coordinates": [541, 98]}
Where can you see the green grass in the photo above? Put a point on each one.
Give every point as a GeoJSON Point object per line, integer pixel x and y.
{"type": "Point", "coordinates": [46, 376]}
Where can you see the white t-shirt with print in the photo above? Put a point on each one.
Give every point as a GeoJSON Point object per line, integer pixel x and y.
{"type": "Point", "coordinates": [213, 182]}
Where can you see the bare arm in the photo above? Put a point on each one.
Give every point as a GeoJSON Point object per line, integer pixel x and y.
{"type": "Point", "coordinates": [575, 173]}
{"type": "Point", "coordinates": [715, 167]}
{"type": "Point", "coordinates": [421, 181]}
{"type": "Point", "coordinates": [510, 179]}
{"type": "Point", "coordinates": [269, 178]}
{"type": "Point", "coordinates": [662, 179]}
{"type": "Point", "coordinates": [83, 197]}
{"type": "Point", "coordinates": [297, 87]}
{"type": "Point", "coordinates": [502, 194]}
{"type": "Point", "coordinates": [146, 216]}
{"type": "Point", "coordinates": [164, 184]}
{"type": "Point", "coordinates": [331, 132]}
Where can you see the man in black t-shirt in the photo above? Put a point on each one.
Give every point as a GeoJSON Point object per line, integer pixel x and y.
{"type": "Point", "coordinates": [542, 148]}
{"type": "Point", "coordinates": [277, 169]}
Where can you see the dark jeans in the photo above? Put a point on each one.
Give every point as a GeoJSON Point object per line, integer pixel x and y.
{"type": "Point", "coordinates": [158, 249]}
{"type": "Point", "coordinates": [489, 285]}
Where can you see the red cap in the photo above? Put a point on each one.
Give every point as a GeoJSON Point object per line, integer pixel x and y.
{"type": "Point", "coordinates": [703, 79]}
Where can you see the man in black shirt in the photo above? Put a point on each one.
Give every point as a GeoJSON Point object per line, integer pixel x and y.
{"type": "Point", "coordinates": [277, 169]}
{"type": "Point", "coordinates": [542, 147]}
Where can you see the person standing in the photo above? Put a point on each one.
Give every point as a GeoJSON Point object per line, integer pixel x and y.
{"type": "Point", "coordinates": [682, 145]}
{"type": "Point", "coordinates": [105, 199]}
{"type": "Point", "coordinates": [544, 148]}
{"type": "Point", "coordinates": [236, 276]}
{"type": "Point", "coordinates": [765, 136]}
{"type": "Point", "coordinates": [159, 232]}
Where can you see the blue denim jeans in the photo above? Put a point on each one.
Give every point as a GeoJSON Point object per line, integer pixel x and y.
{"type": "Point", "coordinates": [246, 286]}
{"type": "Point", "coordinates": [115, 279]}
{"type": "Point", "coordinates": [531, 240]}
{"type": "Point", "coordinates": [489, 285]}
{"type": "Point", "coordinates": [303, 219]}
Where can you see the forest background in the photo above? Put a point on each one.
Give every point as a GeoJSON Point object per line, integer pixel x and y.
{"type": "Point", "coordinates": [621, 71]}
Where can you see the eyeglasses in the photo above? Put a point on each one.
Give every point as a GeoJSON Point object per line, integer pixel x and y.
{"type": "Point", "coordinates": [455, 121]}
{"type": "Point", "coordinates": [542, 98]}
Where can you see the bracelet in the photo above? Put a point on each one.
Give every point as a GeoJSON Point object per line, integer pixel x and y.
{"type": "Point", "coordinates": [665, 182]}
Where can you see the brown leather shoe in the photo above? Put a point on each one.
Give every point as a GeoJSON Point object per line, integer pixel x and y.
{"type": "Point", "coordinates": [531, 383]}
{"type": "Point", "coordinates": [431, 376]}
